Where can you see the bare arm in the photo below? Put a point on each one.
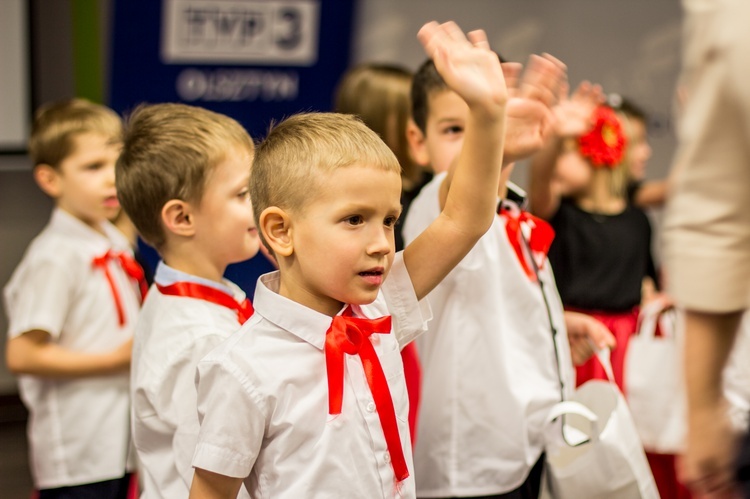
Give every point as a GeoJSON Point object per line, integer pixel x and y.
{"type": "Point", "coordinates": [708, 462]}
{"type": "Point", "coordinates": [33, 353]}
{"type": "Point", "coordinates": [651, 194]}
{"type": "Point", "coordinates": [474, 73]}
{"type": "Point", "coordinates": [209, 485]}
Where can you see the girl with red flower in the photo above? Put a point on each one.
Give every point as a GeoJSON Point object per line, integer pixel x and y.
{"type": "Point", "coordinates": [601, 253]}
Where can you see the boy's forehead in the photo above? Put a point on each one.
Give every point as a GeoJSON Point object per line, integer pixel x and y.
{"type": "Point", "coordinates": [446, 104]}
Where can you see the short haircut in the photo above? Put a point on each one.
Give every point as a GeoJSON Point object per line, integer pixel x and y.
{"type": "Point", "coordinates": [169, 151]}
{"type": "Point", "coordinates": [379, 94]}
{"type": "Point", "coordinates": [57, 124]}
{"type": "Point", "coordinates": [288, 163]}
{"type": "Point", "coordinates": [426, 82]}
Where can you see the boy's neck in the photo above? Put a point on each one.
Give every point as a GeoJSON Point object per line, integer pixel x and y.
{"type": "Point", "coordinates": [186, 259]}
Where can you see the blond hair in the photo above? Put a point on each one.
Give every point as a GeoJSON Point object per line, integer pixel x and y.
{"type": "Point", "coordinates": [168, 153]}
{"type": "Point", "coordinates": [288, 163]}
{"type": "Point", "coordinates": [57, 124]}
{"type": "Point", "coordinates": [379, 94]}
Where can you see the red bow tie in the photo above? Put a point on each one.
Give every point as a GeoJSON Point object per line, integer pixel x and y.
{"type": "Point", "coordinates": [351, 335]}
{"type": "Point", "coordinates": [131, 268]}
{"type": "Point", "coordinates": [541, 235]}
{"type": "Point", "coordinates": [244, 309]}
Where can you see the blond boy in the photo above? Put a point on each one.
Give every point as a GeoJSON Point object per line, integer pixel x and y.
{"type": "Point", "coordinates": [72, 304]}
{"type": "Point", "coordinates": [282, 407]}
{"type": "Point", "coordinates": [183, 179]}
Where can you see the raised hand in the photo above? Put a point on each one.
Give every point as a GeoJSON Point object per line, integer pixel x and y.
{"type": "Point", "coordinates": [467, 65]}
{"type": "Point", "coordinates": [529, 112]}
{"type": "Point", "coordinates": [572, 115]}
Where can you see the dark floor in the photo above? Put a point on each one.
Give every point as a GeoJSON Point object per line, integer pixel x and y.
{"type": "Point", "coordinates": [15, 478]}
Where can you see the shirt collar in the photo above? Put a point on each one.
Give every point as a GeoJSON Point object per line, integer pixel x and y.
{"type": "Point", "coordinates": [166, 275]}
{"type": "Point", "coordinates": [301, 321]}
{"type": "Point", "coordinates": [97, 242]}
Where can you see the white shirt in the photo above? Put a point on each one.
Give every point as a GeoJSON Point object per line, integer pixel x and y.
{"type": "Point", "coordinates": [172, 334]}
{"type": "Point", "coordinates": [489, 374]}
{"type": "Point", "coordinates": [78, 427]}
{"type": "Point", "coordinates": [263, 400]}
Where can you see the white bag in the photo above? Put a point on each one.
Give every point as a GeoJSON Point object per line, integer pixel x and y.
{"type": "Point", "coordinates": [654, 381]}
{"type": "Point", "coordinates": [601, 456]}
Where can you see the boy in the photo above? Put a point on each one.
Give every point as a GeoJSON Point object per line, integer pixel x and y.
{"type": "Point", "coordinates": [183, 179]}
{"type": "Point", "coordinates": [498, 319]}
{"type": "Point", "coordinates": [72, 304]}
{"type": "Point", "coordinates": [281, 406]}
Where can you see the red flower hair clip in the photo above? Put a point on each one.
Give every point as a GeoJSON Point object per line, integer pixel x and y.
{"type": "Point", "coordinates": [604, 144]}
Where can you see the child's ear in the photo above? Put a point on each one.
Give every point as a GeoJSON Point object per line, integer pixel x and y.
{"type": "Point", "coordinates": [177, 217]}
{"type": "Point", "coordinates": [48, 180]}
{"type": "Point", "coordinates": [277, 230]}
{"type": "Point", "coordinates": [417, 144]}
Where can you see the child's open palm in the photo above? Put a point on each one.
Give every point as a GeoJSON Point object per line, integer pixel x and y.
{"type": "Point", "coordinates": [467, 65]}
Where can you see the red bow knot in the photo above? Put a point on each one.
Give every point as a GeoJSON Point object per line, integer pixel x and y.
{"type": "Point", "coordinates": [244, 308]}
{"type": "Point", "coordinates": [130, 267]}
{"type": "Point", "coordinates": [524, 229]}
{"type": "Point", "coordinates": [351, 335]}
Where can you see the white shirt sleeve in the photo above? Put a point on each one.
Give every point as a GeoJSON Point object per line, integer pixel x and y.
{"type": "Point", "coordinates": [409, 315]}
{"type": "Point", "coordinates": [231, 418]}
{"type": "Point", "coordinates": [39, 298]}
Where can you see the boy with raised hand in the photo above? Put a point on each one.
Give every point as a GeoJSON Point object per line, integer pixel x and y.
{"type": "Point", "coordinates": [183, 179]}
{"type": "Point", "coordinates": [72, 303]}
{"type": "Point", "coordinates": [496, 357]}
{"type": "Point", "coordinates": [309, 399]}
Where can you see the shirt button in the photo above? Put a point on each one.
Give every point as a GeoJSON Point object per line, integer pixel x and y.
{"type": "Point", "coordinates": [387, 457]}
{"type": "Point", "coordinates": [371, 407]}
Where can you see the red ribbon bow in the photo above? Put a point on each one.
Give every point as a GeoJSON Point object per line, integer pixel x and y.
{"type": "Point", "coordinates": [540, 239]}
{"type": "Point", "coordinates": [130, 267]}
{"type": "Point", "coordinates": [351, 335]}
{"type": "Point", "coordinates": [244, 309]}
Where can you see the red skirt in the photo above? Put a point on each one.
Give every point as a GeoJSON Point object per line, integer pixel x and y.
{"type": "Point", "coordinates": [622, 325]}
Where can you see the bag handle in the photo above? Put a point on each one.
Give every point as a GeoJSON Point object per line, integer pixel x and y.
{"type": "Point", "coordinates": [569, 407]}
{"type": "Point", "coordinates": [653, 313]}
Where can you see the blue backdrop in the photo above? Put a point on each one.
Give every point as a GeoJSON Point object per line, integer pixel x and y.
{"type": "Point", "coordinates": [254, 60]}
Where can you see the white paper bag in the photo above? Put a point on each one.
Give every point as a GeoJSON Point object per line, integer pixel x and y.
{"type": "Point", "coordinates": [601, 456]}
{"type": "Point", "coordinates": [654, 381]}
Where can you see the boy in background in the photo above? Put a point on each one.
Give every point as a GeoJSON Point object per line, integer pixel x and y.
{"type": "Point", "coordinates": [183, 179]}
{"type": "Point", "coordinates": [282, 407]}
{"type": "Point", "coordinates": [496, 358]}
{"type": "Point", "coordinates": [72, 303]}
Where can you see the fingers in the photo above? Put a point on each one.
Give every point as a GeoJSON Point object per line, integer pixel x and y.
{"type": "Point", "coordinates": [512, 74]}
{"type": "Point", "coordinates": [479, 38]}
{"type": "Point", "coordinates": [542, 79]}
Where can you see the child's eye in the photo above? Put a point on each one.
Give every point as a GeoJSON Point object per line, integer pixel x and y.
{"type": "Point", "coordinates": [244, 193]}
{"type": "Point", "coordinates": [354, 220]}
{"type": "Point", "coordinates": [95, 166]}
{"type": "Point", "coordinates": [453, 130]}
{"type": "Point", "coordinates": [390, 221]}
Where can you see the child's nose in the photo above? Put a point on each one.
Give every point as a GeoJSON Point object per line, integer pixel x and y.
{"type": "Point", "coordinates": [381, 242]}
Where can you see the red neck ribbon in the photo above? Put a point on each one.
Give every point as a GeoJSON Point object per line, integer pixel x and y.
{"type": "Point", "coordinates": [541, 236]}
{"type": "Point", "coordinates": [193, 290]}
{"type": "Point", "coordinates": [351, 335]}
{"type": "Point", "coordinates": [131, 268]}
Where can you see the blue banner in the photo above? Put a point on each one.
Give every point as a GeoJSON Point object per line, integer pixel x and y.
{"type": "Point", "coordinates": [254, 60]}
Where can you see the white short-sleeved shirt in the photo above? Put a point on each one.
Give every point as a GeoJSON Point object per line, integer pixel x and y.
{"type": "Point", "coordinates": [489, 372]}
{"type": "Point", "coordinates": [79, 428]}
{"type": "Point", "coordinates": [172, 334]}
{"type": "Point", "coordinates": [263, 400]}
